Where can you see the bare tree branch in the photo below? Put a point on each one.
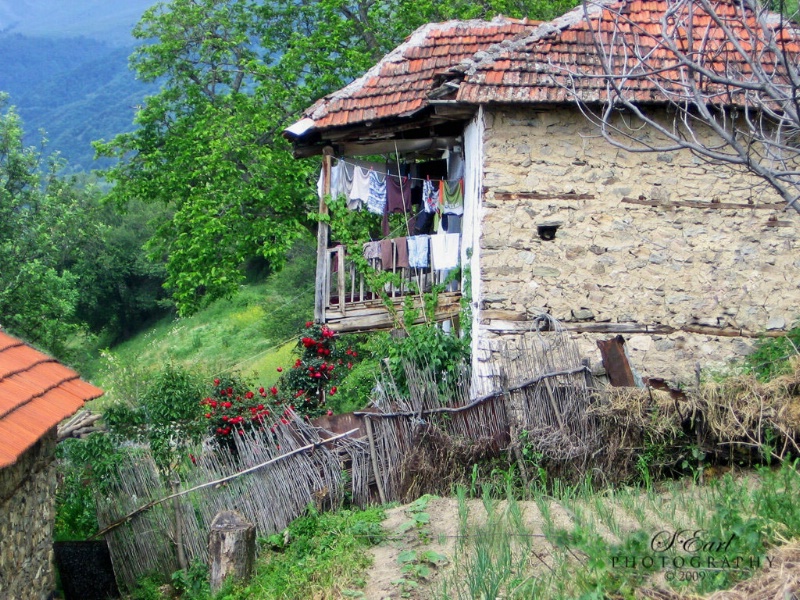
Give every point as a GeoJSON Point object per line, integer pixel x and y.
{"type": "Point", "coordinates": [726, 70]}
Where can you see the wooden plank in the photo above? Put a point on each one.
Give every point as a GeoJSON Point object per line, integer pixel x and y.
{"type": "Point", "coordinates": [378, 317]}
{"type": "Point", "coordinates": [700, 204]}
{"type": "Point", "coordinates": [521, 325]}
{"type": "Point", "coordinates": [539, 196]}
{"type": "Point", "coordinates": [615, 362]}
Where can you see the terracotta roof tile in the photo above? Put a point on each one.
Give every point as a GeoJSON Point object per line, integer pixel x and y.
{"type": "Point", "coordinates": [536, 62]}
{"type": "Point", "coordinates": [409, 71]}
{"type": "Point", "coordinates": [571, 52]}
{"type": "Point", "coordinates": [36, 393]}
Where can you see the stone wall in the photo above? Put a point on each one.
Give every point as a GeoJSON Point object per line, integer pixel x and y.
{"type": "Point", "coordinates": [619, 262]}
{"type": "Point", "coordinates": [27, 497]}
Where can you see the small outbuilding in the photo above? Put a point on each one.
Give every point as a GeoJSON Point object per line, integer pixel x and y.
{"type": "Point", "coordinates": [36, 393]}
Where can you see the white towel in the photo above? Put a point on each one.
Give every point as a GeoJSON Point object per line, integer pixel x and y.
{"type": "Point", "coordinates": [360, 190]}
{"type": "Point", "coordinates": [444, 251]}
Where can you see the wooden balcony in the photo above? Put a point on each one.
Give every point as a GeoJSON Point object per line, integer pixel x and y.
{"type": "Point", "coordinates": [347, 304]}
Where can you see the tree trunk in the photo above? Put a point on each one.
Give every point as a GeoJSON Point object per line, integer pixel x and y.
{"type": "Point", "coordinates": [231, 548]}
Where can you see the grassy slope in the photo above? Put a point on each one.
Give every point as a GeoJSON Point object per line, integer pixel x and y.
{"type": "Point", "coordinates": [252, 333]}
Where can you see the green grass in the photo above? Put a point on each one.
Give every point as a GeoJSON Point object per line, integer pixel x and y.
{"type": "Point", "coordinates": [320, 555]}
{"type": "Point", "coordinates": [502, 557]}
{"type": "Point", "coordinates": [252, 333]}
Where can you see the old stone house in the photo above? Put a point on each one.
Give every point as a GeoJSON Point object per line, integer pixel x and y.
{"type": "Point", "coordinates": [689, 260]}
{"type": "Point", "coordinates": [36, 393]}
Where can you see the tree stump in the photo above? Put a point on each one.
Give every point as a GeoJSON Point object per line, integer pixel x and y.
{"type": "Point", "coordinates": [231, 548]}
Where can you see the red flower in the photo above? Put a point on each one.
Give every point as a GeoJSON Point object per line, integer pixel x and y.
{"type": "Point", "coordinates": [208, 415]}
{"type": "Point", "coordinates": [333, 390]}
{"type": "Point", "coordinates": [249, 395]}
{"type": "Point", "coordinates": [349, 365]}
{"type": "Point", "coordinates": [230, 391]}
{"type": "Point", "coordinates": [261, 391]}
{"type": "Point", "coordinates": [279, 369]}
{"type": "Point", "coordinates": [273, 390]}
{"type": "Point", "coordinates": [309, 323]}
{"type": "Point", "coordinates": [216, 381]}
{"type": "Point", "coordinates": [330, 413]}
{"type": "Point", "coordinates": [194, 460]}
{"type": "Point", "coordinates": [213, 404]}
{"type": "Point", "coordinates": [227, 404]}
{"type": "Point", "coordinates": [260, 407]}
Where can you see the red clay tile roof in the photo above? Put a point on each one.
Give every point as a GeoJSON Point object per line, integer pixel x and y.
{"type": "Point", "coordinates": [535, 63]}
{"type": "Point", "coordinates": [562, 53]}
{"type": "Point", "coordinates": [398, 85]}
{"type": "Point", "coordinates": [36, 393]}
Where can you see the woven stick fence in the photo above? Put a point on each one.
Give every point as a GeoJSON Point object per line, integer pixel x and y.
{"type": "Point", "coordinates": [535, 383]}
{"type": "Point", "coordinates": [271, 496]}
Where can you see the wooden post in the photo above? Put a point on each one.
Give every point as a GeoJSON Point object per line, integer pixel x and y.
{"type": "Point", "coordinates": [515, 412]}
{"type": "Point", "coordinates": [231, 548]}
{"type": "Point", "coordinates": [374, 456]}
{"type": "Point", "coordinates": [342, 284]}
{"type": "Point", "coordinates": [320, 298]}
{"type": "Point", "coordinates": [176, 506]}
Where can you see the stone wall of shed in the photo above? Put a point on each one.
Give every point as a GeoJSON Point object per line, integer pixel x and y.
{"type": "Point", "coordinates": [620, 263]}
{"type": "Point", "coordinates": [27, 498]}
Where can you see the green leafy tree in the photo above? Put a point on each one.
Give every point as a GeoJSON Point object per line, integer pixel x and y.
{"type": "Point", "coordinates": [38, 299]}
{"type": "Point", "coordinates": [168, 416]}
{"type": "Point", "coordinates": [209, 145]}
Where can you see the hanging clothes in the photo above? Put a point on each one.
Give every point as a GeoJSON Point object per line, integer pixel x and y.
{"type": "Point", "coordinates": [451, 223]}
{"type": "Point", "coordinates": [444, 251]}
{"type": "Point", "coordinates": [430, 196]}
{"type": "Point", "coordinates": [342, 180]}
{"type": "Point", "coordinates": [398, 194]}
{"type": "Point", "coordinates": [402, 252]}
{"type": "Point", "coordinates": [372, 250]}
{"type": "Point", "coordinates": [376, 199]}
{"type": "Point", "coordinates": [452, 196]}
{"type": "Point", "coordinates": [418, 251]}
{"type": "Point", "coordinates": [423, 223]}
{"type": "Point", "coordinates": [360, 190]}
{"type": "Point", "coordinates": [387, 254]}
{"type": "Point", "coordinates": [336, 178]}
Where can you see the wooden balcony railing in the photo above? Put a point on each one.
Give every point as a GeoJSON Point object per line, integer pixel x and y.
{"type": "Point", "coordinates": [346, 294]}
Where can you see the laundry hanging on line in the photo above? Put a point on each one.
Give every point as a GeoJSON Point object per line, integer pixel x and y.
{"type": "Point", "coordinates": [377, 191]}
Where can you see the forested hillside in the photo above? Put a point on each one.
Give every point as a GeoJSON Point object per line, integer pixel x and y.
{"type": "Point", "coordinates": [74, 89]}
{"type": "Point", "coordinates": [98, 19]}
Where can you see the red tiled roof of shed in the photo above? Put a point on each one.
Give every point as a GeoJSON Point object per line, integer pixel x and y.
{"type": "Point", "coordinates": [399, 84]}
{"type": "Point", "coordinates": [36, 393]}
{"type": "Point", "coordinates": [554, 57]}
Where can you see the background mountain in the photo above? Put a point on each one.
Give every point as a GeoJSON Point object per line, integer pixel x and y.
{"type": "Point", "coordinates": [65, 67]}
{"type": "Point", "coordinates": [106, 20]}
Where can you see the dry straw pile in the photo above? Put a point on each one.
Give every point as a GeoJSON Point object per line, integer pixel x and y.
{"type": "Point", "coordinates": [739, 419]}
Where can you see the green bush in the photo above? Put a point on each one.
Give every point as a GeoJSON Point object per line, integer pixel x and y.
{"type": "Point", "coordinates": [771, 355]}
{"type": "Point", "coordinates": [86, 467]}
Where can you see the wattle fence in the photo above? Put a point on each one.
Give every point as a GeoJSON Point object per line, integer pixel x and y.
{"type": "Point", "coordinates": [398, 448]}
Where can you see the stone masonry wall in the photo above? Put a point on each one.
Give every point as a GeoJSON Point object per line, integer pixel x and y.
{"type": "Point", "coordinates": [27, 497]}
{"type": "Point", "coordinates": [615, 262]}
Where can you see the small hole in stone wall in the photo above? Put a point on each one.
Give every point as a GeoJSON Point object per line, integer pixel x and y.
{"type": "Point", "coordinates": [547, 231]}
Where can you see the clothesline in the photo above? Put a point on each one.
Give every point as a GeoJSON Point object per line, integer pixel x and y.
{"type": "Point", "coordinates": [388, 174]}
